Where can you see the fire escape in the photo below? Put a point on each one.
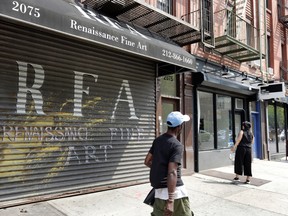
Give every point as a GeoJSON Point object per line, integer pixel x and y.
{"type": "Point", "coordinates": [185, 29]}
{"type": "Point", "coordinates": [236, 36]}
{"type": "Point", "coordinates": [227, 31]}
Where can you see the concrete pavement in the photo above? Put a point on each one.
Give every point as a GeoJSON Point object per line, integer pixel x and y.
{"type": "Point", "coordinates": [208, 196]}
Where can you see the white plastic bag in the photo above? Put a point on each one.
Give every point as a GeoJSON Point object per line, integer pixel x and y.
{"type": "Point", "coordinates": [232, 156]}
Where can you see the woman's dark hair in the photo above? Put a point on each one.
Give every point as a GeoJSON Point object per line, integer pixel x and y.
{"type": "Point", "coordinates": [246, 125]}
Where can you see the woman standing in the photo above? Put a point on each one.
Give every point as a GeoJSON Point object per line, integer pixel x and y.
{"type": "Point", "coordinates": [243, 155]}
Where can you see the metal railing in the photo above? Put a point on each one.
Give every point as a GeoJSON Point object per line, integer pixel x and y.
{"type": "Point", "coordinates": [226, 22]}
{"type": "Point", "coordinates": [193, 18]}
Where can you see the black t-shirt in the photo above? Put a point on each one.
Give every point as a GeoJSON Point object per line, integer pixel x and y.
{"type": "Point", "coordinates": [165, 149]}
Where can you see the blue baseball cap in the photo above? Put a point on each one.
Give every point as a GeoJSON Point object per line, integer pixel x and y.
{"type": "Point", "coordinates": [176, 118]}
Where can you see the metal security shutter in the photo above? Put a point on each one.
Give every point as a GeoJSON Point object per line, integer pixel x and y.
{"type": "Point", "coordinates": [75, 116]}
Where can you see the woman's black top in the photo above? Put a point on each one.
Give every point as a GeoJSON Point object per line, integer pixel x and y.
{"type": "Point", "coordinates": [246, 140]}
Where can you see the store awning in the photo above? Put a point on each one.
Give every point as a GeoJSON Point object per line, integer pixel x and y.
{"type": "Point", "coordinates": [72, 18]}
{"type": "Point", "coordinates": [207, 78]}
{"type": "Point", "coordinates": [226, 85]}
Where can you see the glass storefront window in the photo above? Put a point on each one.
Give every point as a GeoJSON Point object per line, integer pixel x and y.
{"type": "Point", "coordinates": [224, 121]}
{"type": "Point", "coordinates": [277, 141]}
{"type": "Point", "coordinates": [281, 129]}
{"type": "Point", "coordinates": [205, 135]}
{"type": "Point", "coordinates": [238, 123]}
{"type": "Point", "coordinates": [271, 127]}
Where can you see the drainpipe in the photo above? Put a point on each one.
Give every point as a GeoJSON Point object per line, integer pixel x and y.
{"type": "Point", "coordinates": [265, 34]}
{"type": "Point", "coordinates": [267, 145]}
{"type": "Point", "coordinates": [260, 39]}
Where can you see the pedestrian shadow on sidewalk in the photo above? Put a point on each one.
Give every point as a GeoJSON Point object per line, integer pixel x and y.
{"type": "Point", "coordinates": [229, 176]}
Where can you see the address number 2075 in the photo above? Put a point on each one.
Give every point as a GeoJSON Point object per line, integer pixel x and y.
{"type": "Point", "coordinates": [26, 9]}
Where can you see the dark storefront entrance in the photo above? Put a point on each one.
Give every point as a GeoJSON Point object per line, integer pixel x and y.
{"type": "Point", "coordinates": [222, 104]}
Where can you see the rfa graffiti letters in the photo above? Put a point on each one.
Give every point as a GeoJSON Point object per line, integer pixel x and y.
{"type": "Point", "coordinates": [35, 91]}
{"type": "Point", "coordinates": [75, 153]}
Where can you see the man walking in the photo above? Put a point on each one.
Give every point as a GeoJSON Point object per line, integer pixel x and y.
{"type": "Point", "coordinates": [164, 159]}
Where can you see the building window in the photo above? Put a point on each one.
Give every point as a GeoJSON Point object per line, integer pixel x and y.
{"type": "Point", "coordinates": [279, 9]}
{"type": "Point", "coordinates": [253, 106]}
{"type": "Point", "coordinates": [281, 129]}
{"type": "Point", "coordinates": [206, 127]}
{"type": "Point", "coordinates": [283, 75]}
{"type": "Point", "coordinates": [167, 106]}
{"type": "Point", "coordinates": [169, 85]}
{"type": "Point", "coordinates": [170, 99]}
{"type": "Point", "coordinates": [239, 104]}
{"type": "Point", "coordinates": [277, 136]}
{"type": "Point", "coordinates": [269, 50]}
{"type": "Point", "coordinates": [224, 121]}
{"type": "Point", "coordinates": [215, 117]}
{"type": "Point", "coordinates": [272, 131]}
{"type": "Point", "coordinates": [165, 5]}
{"type": "Point", "coordinates": [207, 9]}
{"type": "Point", "coordinates": [250, 34]}
{"type": "Point", "coordinates": [268, 5]}
{"type": "Point", "coordinates": [283, 53]}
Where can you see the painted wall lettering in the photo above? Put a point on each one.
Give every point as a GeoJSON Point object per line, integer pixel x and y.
{"type": "Point", "coordinates": [78, 91]}
{"type": "Point", "coordinates": [90, 152]}
{"type": "Point", "coordinates": [34, 90]}
{"type": "Point", "coordinates": [125, 86]}
{"type": "Point", "coordinates": [67, 122]}
{"type": "Point", "coordinates": [126, 134]}
{"type": "Point", "coordinates": [47, 134]}
{"type": "Point", "coordinates": [105, 149]}
{"type": "Point", "coordinates": [74, 154]}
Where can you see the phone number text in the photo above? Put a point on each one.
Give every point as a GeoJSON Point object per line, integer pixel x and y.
{"type": "Point", "coordinates": [176, 56]}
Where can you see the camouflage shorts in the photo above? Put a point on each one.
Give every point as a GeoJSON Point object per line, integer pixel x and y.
{"type": "Point", "coordinates": [181, 207]}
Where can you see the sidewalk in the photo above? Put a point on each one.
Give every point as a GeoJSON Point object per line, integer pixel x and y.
{"type": "Point", "coordinates": [266, 196]}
